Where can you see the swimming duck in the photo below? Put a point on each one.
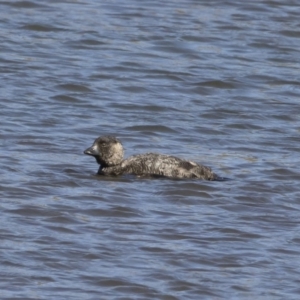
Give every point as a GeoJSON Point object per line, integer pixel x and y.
{"type": "Point", "coordinates": [109, 154]}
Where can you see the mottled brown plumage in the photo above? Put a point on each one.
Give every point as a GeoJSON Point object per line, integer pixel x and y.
{"type": "Point", "coordinates": [108, 152]}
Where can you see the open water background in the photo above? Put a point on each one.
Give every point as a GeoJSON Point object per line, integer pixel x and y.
{"type": "Point", "coordinates": [217, 82]}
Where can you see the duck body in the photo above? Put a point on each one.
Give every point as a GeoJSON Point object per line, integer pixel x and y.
{"type": "Point", "coordinates": [108, 152]}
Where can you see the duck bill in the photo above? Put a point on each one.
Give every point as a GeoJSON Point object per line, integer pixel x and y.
{"type": "Point", "coordinates": [93, 151]}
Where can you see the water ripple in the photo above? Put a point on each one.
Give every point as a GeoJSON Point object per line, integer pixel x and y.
{"type": "Point", "coordinates": [212, 82]}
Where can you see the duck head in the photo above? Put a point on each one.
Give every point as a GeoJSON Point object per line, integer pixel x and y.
{"type": "Point", "coordinates": [107, 150]}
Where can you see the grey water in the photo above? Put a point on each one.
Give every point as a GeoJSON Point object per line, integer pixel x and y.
{"type": "Point", "coordinates": [215, 82]}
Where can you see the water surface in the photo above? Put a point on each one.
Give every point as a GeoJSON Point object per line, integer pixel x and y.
{"type": "Point", "coordinates": [217, 83]}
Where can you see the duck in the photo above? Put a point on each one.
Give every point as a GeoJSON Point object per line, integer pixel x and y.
{"type": "Point", "coordinates": [109, 154]}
